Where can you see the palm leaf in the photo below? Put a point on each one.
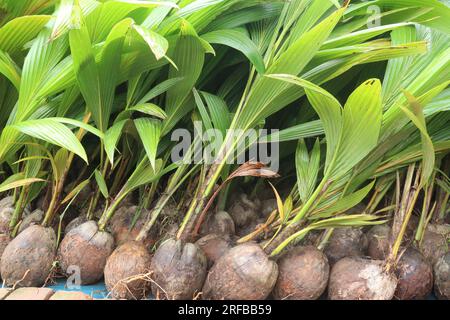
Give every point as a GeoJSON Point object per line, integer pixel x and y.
{"type": "Point", "coordinates": [53, 132]}
{"type": "Point", "coordinates": [149, 131]}
{"type": "Point", "coordinates": [240, 41]}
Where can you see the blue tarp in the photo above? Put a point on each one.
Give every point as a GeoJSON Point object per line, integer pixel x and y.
{"type": "Point", "coordinates": [97, 291]}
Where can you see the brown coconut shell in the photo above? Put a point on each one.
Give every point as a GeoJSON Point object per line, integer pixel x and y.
{"type": "Point", "coordinates": [7, 202]}
{"type": "Point", "coordinates": [168, 231]}
{"type": "Point", "coordinates": [346, 242]}
{"type": "Point", "coordinates": [75, 223]}
{"type": "Point", "coordinates": [267, 207]}
{"type": "Point", "coordinates": [443, 229]}
{"type": "Point", "coordinates": [313, 238]}
{"type": "Point", "coordinates": [179, 270]}
{"type": "Point", "coordinates": [6, 213]}
{"type": "Point", "coordinates": [378, 242]}
{"type": "Point", "coordinates": [4, 240]}
{"type": "Point", "coordinates": [244, 210]}
{"type": "Point", "coordinates": [220, 223]}
{"type": "Point", "coordinates": [303, 274]}
{"type": "Point", "coordinates": [355, 278]}
{"type": "Point", "coordinates": [122, 228]}
{"type": "Point", "coordinates": [415, 276]}
{"type": "Point", "coordinates": [433, 246]}
{"type": "Point", "coordinates": [127, 271]}
{"type": "Point", "coordinates": [27, 260]}
{"type": "Point", "coordinates": [442, 277]}
{"type": "Point", "coordinates": [34, 217]}
{"type": "Point", "coordinates": [86, 248]}
{"type": "Point", "coordinates": [244, 273]}
{"type": "Point", "coordinates": [214, 246]}
{"type": "Point", "coordinates": [411, 227]}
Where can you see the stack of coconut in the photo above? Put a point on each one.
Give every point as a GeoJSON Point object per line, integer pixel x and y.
{"type": "Point", "coordinates": [350, 266]}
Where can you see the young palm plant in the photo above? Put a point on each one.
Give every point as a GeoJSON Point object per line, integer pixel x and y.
{"type": "Point", "coordinates": [328, 56]}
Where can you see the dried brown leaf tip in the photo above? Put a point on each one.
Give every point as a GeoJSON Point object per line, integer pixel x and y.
{"type": "Point", "coordinates": [254, 169]}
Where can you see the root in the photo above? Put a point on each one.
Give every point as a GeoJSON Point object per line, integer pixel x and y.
{"type": "Point", "coordinates": [197, 296]}
{"type": "Point", "coordinates": [144, 277]}
{"type": "Point", "coordinates": [23, 278]}
{"type": "Point", "coordinates": [51, 275]}
{"type": "Point", "coordinates": [147, 278]}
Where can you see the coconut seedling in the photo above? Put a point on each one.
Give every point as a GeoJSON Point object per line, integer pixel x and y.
{"type": "Point", "coordinates": [188, 49]}
{"type": "Point", "coordinates": [87, 239]}
{"type": "Point", "coordinates": [175, 281]}
{"type": "Point", "coordinates": [32, 263]}
{"type": "Point", "coordinates": [262, 92]}
{"type": "Point", "coordinates": [28, 258]}
{"type": "Point", "coordinates": [51, 130]}
{"type": "Point", "coordinates": [413, 271]}
{"type": "Point", "coordinates": [319, 202]}
{"type": "Point", "coordinates": [431, 235]}
{"type": "Point", "coordinates": [280, 42]}
{"type": "Point", "coordinates": [427, 85]}
{"type": "Point", "coordinates": [402, 150]}
{"type": "Point", "coordinates": [319, 199]}
{"type": "Point", "coordinates": [47, 72]}
{"type": "Point", "coordinates": [410, 271]}
{"type": "Point", "coordinates": [97, 81]}
{"type": "Point", "coordinates": [17, 30]}
{"type": "Point", "coordinates": [386, 280]}
{"type": "Point", "coordinates": [176, 261]}
{"type": "Point", "coordinates": [7, 208]}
